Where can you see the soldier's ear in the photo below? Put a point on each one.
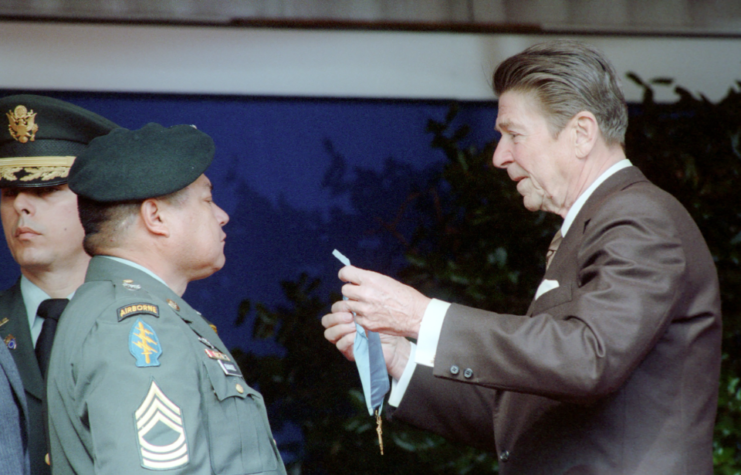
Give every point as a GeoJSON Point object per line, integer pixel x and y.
{"type": "Point", "coordinates": [151, 214]}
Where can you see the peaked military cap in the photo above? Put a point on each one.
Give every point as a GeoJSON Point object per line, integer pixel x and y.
{"type": "Point", "coordinates": [43, 137]}
{"type": "Point", "coordinates": [139, 164]}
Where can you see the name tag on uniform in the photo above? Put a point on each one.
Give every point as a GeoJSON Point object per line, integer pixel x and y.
{"type": "Point", "coordinates": [230, 369]}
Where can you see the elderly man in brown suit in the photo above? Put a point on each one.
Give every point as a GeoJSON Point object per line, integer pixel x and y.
{"type": "Point", "coordinates": [614, 368]}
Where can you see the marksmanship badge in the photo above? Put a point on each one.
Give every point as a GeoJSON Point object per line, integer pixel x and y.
{"type": "Point", "coordinates": [22, 124]}
{"type": "Point", "coordinates": [144, 344]}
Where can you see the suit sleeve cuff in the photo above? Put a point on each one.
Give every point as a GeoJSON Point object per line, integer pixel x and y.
{"type": "Point", "coordinates": [399, 387]}
{"type": "Point", "coordinates": [429, 332]}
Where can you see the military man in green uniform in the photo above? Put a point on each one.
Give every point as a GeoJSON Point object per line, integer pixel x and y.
{"type": "Point", "coordinates": [38, 143]}
{"type": "Point", "coordinates": [139, 381]}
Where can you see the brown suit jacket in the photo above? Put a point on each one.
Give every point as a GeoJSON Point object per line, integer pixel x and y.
{"type": "Point", "coordinates": [615, 371]}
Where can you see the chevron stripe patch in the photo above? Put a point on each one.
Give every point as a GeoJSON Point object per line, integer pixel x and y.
{"type": "Point", "coordinates": [160, 432]}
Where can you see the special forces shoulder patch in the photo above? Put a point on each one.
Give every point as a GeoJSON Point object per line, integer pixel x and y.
{"type": "Point", "coordinates": [160, 432]}
{"type": "Point", "coordinates": [142, 308]}
{"type": "Point", "coordinates": [144, 344]}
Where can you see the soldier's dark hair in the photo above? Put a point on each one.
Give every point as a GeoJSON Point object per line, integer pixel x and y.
{"type": "Point", "coordinates": [106, 224]}
{"type": "Point", "coordinates": [567, 77]}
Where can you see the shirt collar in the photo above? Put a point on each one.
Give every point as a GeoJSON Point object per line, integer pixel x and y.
{"type": "Point", "coordinates": [579, 203]}
{"type": "Point", "coordinates": [32, 298]}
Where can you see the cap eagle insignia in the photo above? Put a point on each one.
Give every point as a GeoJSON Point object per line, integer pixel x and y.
{"type": "Point", "coordinates": [22, 124]}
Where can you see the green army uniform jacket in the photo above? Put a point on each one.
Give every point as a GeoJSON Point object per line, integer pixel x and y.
{"type": "Point", "coordinates": [16, 334]}
{"type": "Point", "coordinates": [139, 382]}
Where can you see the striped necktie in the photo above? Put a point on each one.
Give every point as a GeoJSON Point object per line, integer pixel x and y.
{"type": "Point", "coordinates": [552, 248]}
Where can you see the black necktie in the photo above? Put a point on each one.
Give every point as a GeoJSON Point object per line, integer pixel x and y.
{"type": "Point", "coordinates": [49, 310]}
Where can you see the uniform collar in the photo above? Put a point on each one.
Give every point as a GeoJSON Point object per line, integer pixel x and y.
{"type": "Point", "coordinates": [135, 266]}
{"type": "Point", "coordinates": [119, 270]}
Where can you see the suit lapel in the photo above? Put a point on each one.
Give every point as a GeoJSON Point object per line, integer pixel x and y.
{"type": "Point", "coordinates": [572, 240]}
{"type": "Point", "coordinates": [23, 354]}
{"type": "Point", "coordinates": [563, 260]}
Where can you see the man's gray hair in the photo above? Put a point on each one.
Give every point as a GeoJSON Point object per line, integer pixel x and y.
{"type": "Point", "coordinates": [567, 77]}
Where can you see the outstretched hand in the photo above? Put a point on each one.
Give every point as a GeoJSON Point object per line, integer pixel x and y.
{"type": "Point", "coordinates": [381, 303]}
{"type": "Point", "coordinates": [340, 331]}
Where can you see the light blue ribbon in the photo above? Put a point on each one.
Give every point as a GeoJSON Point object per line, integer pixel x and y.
{"type": "Point", "coordinates": [369, 360]}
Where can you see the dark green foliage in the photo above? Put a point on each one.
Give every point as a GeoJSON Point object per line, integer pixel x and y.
{"type": "Point", "coordinates": [479, 246]}
{"type": "Point", "coordinates": [483, 248]}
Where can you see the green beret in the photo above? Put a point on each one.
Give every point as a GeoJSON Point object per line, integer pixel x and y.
{"type": "Point", "coordinates": [43, 137]}
{"type": "Point", "coordinates": [139, 164]}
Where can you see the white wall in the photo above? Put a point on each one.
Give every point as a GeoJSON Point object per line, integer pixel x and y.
{"type": "Point", "coordinates": [295, 62]}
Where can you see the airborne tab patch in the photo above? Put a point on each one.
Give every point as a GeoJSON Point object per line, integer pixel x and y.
{"type": "Point", "coordinates": [144, 344]}
{"type": "Point", "coordinates": [138, 309]}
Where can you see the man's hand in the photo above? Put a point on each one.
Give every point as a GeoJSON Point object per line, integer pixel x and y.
{"type": "Point", "coordinates": [381, 304]}
{"type": "Point", "coordinates": [340, 331]}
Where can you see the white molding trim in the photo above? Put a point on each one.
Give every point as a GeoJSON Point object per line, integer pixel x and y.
{"type": "Point", "coordinates": [321, 63]}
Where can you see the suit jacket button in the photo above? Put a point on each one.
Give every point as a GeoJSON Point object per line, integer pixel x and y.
{"type": "Point", "coordinates": [504, 456]}
{"type": "Point", "coordinates": [468, 373]}
{"type": "Point", "coordinates": [454, 370]}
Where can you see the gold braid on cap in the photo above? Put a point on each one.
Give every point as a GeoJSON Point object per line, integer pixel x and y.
{"type": "Point", "coordinates": [43, 168]}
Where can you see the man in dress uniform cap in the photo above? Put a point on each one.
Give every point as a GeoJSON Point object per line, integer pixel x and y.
{"type": "Point", "coordinates": [43, 232]}
{"type": "Point", "coordinates": [139, 381]}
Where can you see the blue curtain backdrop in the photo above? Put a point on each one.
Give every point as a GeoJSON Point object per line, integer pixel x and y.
{"type": "Point", "coordinates": [298, 177]}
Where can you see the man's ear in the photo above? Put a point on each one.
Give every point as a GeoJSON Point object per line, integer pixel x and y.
{"type": "Point", "coordinates": [152, 214]}
{"type": "Point", "coordinates": [586, 133]}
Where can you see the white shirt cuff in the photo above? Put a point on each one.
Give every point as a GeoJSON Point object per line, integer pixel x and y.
{"type": "Point", "coordinates": [429, 332]}
{"type": "Point", "coordinates": [398, 388]}
{"type": "Point", "coordinates": [424, 351]}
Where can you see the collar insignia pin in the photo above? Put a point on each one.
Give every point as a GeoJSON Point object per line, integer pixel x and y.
{"type": "Point", "coordinates": [10, 342]}
{"type": "Point", "coordinates": [173, 305]}
{"type": "Point", "coordinates": [130, 285]}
